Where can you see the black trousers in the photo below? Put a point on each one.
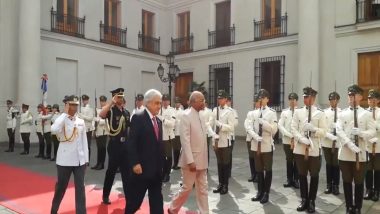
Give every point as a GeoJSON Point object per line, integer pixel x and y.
{"type": "Point", "coordinates": [64, 173]}
{"type": "Point", "coordinates": [26, 139]}
{"type": "Point", "coordinates": [11, 136]}
{"type": "Point", "coordinates": [47, 137]}
{"type": "Point", "coordinates": [89, 136]}
{"type": "Point", "coordinates": [137, 187]}
{"type": "Point", "coordinates": [101, 145]}
{"type": "Point", "coordinates": [41, 144]}
{"type": "Point", "coordinates": [55, 144]}
{"type": "Point", "coordinates": [116, 159]}
{"type": "Point", "coordinates": [176, 150]}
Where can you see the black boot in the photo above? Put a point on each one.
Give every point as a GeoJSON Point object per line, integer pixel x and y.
{"type": "Point", "coordinates": [328, 179]}
{"type": "Point", "coordinates": [369, 185]}
{"type": "Point", "coordinates": [100, 166]}
{"type": "Point", "coordinates": [252, 169]}
{"type": "Point", "coordinates": [267, 185]}
{"type": "Point", "coordinates": [375, 196]}
{"type": "Point", "coordinates": [225, 176]}
{"type": "Point", "coordinates": [359, 189]}
{"type": "Point", "coordinates": [336, 180]}
{"type": "Point", "coordinates": [289, 175]}
{"type": "Point", "coordinates": [260, 185]}
{"type": "Point", "coordinates": [313, 193]}
{"type": "Point", "coordinates": [296, 183]}
{"type": "Point", "coordinates": [219, 187]}
{"type": "Point", "coordinates": [347, 189]}
{"type": "Point", "coordinates": [304, 194]}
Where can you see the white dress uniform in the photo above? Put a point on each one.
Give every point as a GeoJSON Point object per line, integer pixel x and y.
{"type": "Point", "coordinates": [327, 141]}
{"type": "Point", "coordinates": [284, 125]}
{"type": "Point", "coordinates": [374, 142]}
{"type": "Point", "coordinates": [74, 153]}
{"type": "Point", "coordinates": [167, 116]}
{"type": "Point", "coordinates": [227, 125]}
{"type": "Point", "coordinates": [318, 120]}
{"type": "Point", "coordinates": [344, 128]}
{"type": "Point", "coordinates": [26, 122]}
{"type": "Point", "coordinates": [38, 123]}
{"type": "Point", "coordinates": [87, 114]}
{"type": "Point", "coordinates": [193, 132]}
{"type": "Point", "coordinates": [137, 109]}
{"type": "Point", "coordinates": [269, 128]}
{"type": "Point", "coordinates": [46, 121]}
{"type": "Point", "coordinates": [101, 129]}
{"type": "Point", "coordinates": [11, 118]}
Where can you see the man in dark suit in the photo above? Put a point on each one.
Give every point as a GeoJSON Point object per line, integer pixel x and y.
{"type": "Point", "coordinates": [145, 155]}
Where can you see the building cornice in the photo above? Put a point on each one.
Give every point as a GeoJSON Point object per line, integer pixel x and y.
{"type": "Point", "coordinates": [96, 45]}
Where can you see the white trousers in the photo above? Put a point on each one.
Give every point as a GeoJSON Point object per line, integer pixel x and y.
{"type": "Point", "coordinates": [198, 177]}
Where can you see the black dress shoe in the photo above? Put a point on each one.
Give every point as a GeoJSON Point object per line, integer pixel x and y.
{"type": "Point", "coordinates": [100, 167]}
{"type": "Point", "coordinates": [349, 210]}
{"type": "Point", "coordinates": [288, 184]}
{"type": "Point", "coordinates": [357, 211]}
{"type": "Point", "coordinates": [24, 153]}
{"type": "Point", "coordinates": [96, 166]}
{"type": "Point", "coordinates": [176, 167]}
{"type": "Point", "coordinates": [224, 190]}
{"type": "Point", "coordinates": [335, 190]}
{"type": "Point", "coordinates": [296, 184]}
{"type": "Point", "coordinates": [368, 195]}
{"type": "Point", "coordinates": [303, 206]}
{"type": "Point", "coordinates": [375, 196]}
{"type": "Point", "coordinates": [217, 189]}
{"type": "Point", "coordinates": [257, 197]}
{"type": "Point", "coordinates": [250, 179]}
{"type": "Point", "coordinates": [106, 201]}
{"type": "Point", "coordinates": [255, 179]}
{"type": "Point", "coordinates": [328, 189]}
{"type": "Point", "coordinates": [311, 208]}
{"type": "Point", "coordinates": [265, 198]}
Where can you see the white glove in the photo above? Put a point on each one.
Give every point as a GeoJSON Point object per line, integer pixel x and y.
{"type": "Point", "coordinates": [374, 140]}
{"type": "Point", "coordinates": [218, 123]}
{"type": "Point", "coordinates": [355, 131]}
{"type": "Point", "coordinates": [216, 137]}
{"type": "Point", "coordinates": [333, 137]}
{"type": "Point", "coordinates": [261, 121]}
{"type": "Point", "coordinates": [259, 139]}
{"type": "Point", "coordinates": [304, 140]}
{"type": "Point", "coordinates": [309, 127]}
{"type": "Point", "coordinates": [288, 134]}
{"type": "Point", "coordinates": [353, 147]}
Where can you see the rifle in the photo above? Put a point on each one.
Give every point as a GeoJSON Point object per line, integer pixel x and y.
{"type": "Point", "coordinates": [80, 100]}
{"type": "Point", "coordinates": [356, 137]}
{"type": "Point", "coordinates": [334, 131]}
{"type": "Point", "coordinates": [217, 129]}
{"type": "Point", "coordinates": [374, 117]}
{"type": "Point", "coordinates": [260, 129]}
{"type": "Point", "coordinates": [308, 134]}
{"type": "Point", "coordinates": [292, 139]}
{"type": "Point", "coordinates": [135, 101]}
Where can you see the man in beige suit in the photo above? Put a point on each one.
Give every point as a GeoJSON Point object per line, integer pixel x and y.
{"type": "Point", "coordinates": [193, 158]}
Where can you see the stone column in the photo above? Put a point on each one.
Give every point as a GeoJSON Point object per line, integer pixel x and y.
{"type": "Point", "coordinates": [308, 44]}
{"type": "Point", "coordinates": [29, 54]}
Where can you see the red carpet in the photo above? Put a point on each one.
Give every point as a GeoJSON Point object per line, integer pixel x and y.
{"type": "Point", "coordinates": [25, 191]}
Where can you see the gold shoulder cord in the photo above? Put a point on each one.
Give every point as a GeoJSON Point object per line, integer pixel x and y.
{"type": "Point", "coordinates": [119, 128]}
{"type": "Point", "coordinates": [71, 138]}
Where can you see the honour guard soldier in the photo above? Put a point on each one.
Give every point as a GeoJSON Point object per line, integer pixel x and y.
{"type": "Point", "coordinates": [354, 126]}
{"type": "Point", "coordinates": [177, 141]}
{"type": "Point", "coordinates": [55, 141]}
{"type": "Point", "coordinates": [139, 104]}
{"type": "Point", "coordinates": [117, 122]}
{"type": "Point", "coordinates": [101, 134]}
{"type": "Point", "coordinates": [87, 114]}
{"type": "Point", "coordinates": [330, 145]}
{"type": "Point", "coordinates": [11, 125]}
{"type": "Point", "coordinates": [229, 104]}
{"type": "Point", "coordinates": [372, 178]}
{"type": "Point", "coordinates": [284, 126]}
{"type": "Point", "coordinates": [308, 128]}
{"type": "Point", "coordinates": [167, 116]}
{"type": "Point", "coordinates": [39, 130]}
{"type": "Point", "coordinates": [46, 129]}
{"type": "Point", "coordinates": [72, 156]}
{"type": "Point", "coordinates": [223, 120]}
{"type": "Point", "coordinates": [206, 113]}
{"type": "Point", "coordinates": [256, 105]}
{"type": "Point", "coordinates": [262, 126]}
{"type": "Point", "coordinates": [26, 122]}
